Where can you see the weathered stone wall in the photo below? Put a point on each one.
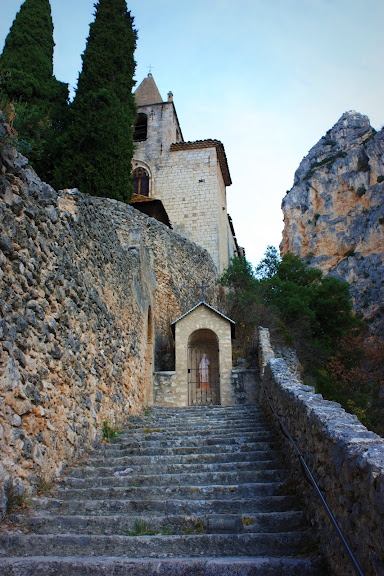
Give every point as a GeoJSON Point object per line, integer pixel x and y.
{"type": "Point", "coordinates": [245, 384]}
{"type": "Point", "coordinates": [87, 286]}
{"type": "Point", "coordinates": [164, 389]}
{"type": "Point", "coordinates": [346, 460]}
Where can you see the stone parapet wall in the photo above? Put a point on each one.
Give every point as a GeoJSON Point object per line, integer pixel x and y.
{"type": "Point", "coordinates": [165, 390]}
{"type": "Point", "coordinates": [245, 385]}
{"type": "Point", "coordinates": [87, 285]}
{"type": "Point", "coordinates": [346, 459]}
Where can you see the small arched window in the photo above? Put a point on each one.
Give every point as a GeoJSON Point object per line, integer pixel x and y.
{"type": "Point", "coordinates": [140, 131]}
{"type": "Point", "coordinates": [140, 181]}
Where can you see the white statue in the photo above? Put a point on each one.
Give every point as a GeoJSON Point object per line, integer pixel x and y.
{"type": "Point", "coordinates": [204, 372]}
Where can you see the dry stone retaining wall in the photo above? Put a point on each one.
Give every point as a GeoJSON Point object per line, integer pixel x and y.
{"type": "Point", "coordinates": [86, 287]}
{"type": "Point", "coordinates": [346, 459]}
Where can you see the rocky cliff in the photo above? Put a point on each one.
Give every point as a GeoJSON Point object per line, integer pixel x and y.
{"type": "Point", "coordinates": [86, 287]}
{"type": "Point", "coordinates": [334, 213]}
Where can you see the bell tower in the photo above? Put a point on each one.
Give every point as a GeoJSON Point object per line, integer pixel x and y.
{"type": "Point", "coordinates": [189, 178]}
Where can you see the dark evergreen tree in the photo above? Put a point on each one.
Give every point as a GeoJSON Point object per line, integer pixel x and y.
{"type": "Point", "coordinates": [39, 100]}
{"type": "Point", "coordinates": [99, 142]}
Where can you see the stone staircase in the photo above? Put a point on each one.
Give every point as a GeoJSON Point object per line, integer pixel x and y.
{"type": "Point", "coordinates": [188, 491]}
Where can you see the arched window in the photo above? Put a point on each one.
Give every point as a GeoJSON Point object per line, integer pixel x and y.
{"type": "Point", "coordinates": [140, 131]}
{"type": "Point", "coordinates": [140, 181]}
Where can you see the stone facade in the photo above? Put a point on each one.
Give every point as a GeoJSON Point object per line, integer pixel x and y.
{"type": "Point", "coordinates": [189, 178]}
{"type": "Point", "coordinates": [88, 289]}
{"type": "Point", "coordinates": [345, 458]}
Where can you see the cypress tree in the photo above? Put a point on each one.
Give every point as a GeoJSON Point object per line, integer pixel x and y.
{"type": "Point", "coordinates": [26, 68]}
{"type": "Point", "coordinates": [99, 143]}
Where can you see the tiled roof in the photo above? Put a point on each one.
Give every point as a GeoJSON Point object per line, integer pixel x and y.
{"type": "Point", "coordinates": [147, 92]}
{"type": "Point", "coordinates": [199, 144]}
{"type": "Point", "coordinates": [208, 306]}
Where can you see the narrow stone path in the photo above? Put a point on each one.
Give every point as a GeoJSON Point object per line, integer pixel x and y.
{"type": "Point", "coordinates": [188, 491]}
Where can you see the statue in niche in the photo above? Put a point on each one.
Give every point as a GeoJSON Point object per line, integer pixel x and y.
{"type": "Point", "coordinates": [204, 372]}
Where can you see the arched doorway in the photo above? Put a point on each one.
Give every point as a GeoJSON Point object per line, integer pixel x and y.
{"type": "Point", "coordinates": [203, 368]}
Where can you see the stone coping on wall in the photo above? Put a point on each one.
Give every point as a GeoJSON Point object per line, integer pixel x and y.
{"type": "Point", "coordinates": [346, 459]}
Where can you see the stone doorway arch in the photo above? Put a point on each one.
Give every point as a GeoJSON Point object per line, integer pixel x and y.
{"type": "Point", "coordinates": [203, 368]}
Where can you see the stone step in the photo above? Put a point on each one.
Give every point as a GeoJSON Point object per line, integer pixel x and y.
{"type": "Point", "coordinates": [193, 433]}
{"type": "Point", "coordinates": [179, 479]}
{"type": "Point", "coordinates": [188, 445]}
{"type": "Point", "coordinates": [188, 492]}
{"type": "Point", "coordinates": [158, 450]}
{"type": "Point", "coordinates": [163, 506]}
{"type": "Point", "coordinates": [200, 411]}
{"type": "Point", "coordinates": [280, 543]}
{"type": "Point", "coordinates": [88, 472]}
{"type": "Point", "coordinates": [247, 522]}
{"type": "Point", "coordinates": [121, 566]}
{"type": "Point", "coordinates": [204, 497]}
{"type": "Point", "coordinates": [177, 459]}
{"type": "Point", "coordinates": [188, 427]}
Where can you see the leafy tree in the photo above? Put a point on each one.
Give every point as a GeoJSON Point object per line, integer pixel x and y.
{"type": "Point", "coordinates": [269, 265]}
{"type": "Point", "coordinates": [314, 314]}
{"type": "Point", "coordinates": [27, 81]}
{"type": "Point", "coordinates": [98, 146]}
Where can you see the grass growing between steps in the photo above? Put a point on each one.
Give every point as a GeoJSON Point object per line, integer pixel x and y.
{"type": "Point", "coordinates": [141, 528]}
{"type": "Point", "coordinates": [15, 500]}
{"type": "Point", "coordinates": [187, 526]}
{"type": "Point", "coordinates": [193, 526]}
{"type": "Point", "coordinates": [109, 432]}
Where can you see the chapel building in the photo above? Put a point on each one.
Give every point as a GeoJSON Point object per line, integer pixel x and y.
{"type": "Point", "coordinates": [181, 183]}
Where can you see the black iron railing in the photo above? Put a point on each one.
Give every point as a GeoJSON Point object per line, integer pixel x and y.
{"type": "Point", "coordinates": [310, 479]}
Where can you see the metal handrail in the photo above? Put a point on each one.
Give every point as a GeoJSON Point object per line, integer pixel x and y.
{"type": "Point", "coordinates": [310, 479]}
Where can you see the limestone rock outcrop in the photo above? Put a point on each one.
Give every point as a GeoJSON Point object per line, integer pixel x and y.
{"type": "Point", "coordinates": [334, 213]}
{"type": "Point", "coordinates": [86, 287]}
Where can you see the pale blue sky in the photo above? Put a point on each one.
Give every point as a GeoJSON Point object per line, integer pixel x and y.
{"type": "Point", "coordinates": [266, 77]}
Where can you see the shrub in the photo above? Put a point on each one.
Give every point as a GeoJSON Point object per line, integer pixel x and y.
{"type": "Point", "coordinates": [109, 432]}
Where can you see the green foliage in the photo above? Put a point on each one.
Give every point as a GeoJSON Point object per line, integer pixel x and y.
{"type": "Point", "coordinates": [361, 191]}
{"type": "Point", "coordinates": [380, 179]}
{"type": "Point", "coordinates": [240, 303]}
{"type": "Point", "coordinates": [27, 83]}
{"type": "Point", "coordinates": [269, 265]}
{"type": "Point", "coordinates": [26, 60]}
{"type": "Point", "coordinates": [314, 315]}
{"type": "Point", "coordinates": [109, 432]}
{"type": "Point", "coordinates": [141, 528]}
{"type": "Point", "coordinates": [98, 146]}
{"type": "Point", "coordinates": [300, 307]}
{"type": "Point", "coordinates": [15, 498]}
{"type": "Point", "coordinates": [326, 161]}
